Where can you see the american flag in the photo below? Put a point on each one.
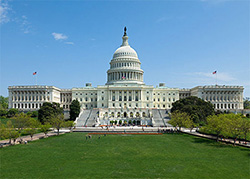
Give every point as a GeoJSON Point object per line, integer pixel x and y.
{"type": "Point", "coordinates": [214, 72]}
{"type": "Point", "coordinates": [34, 73]}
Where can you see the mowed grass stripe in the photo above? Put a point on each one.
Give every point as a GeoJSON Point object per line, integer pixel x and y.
{"type": "Point", "coordinates": [124, 156]}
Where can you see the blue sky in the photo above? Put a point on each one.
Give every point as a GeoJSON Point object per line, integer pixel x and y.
{"type": "Point", "coordinates": [70, 43]}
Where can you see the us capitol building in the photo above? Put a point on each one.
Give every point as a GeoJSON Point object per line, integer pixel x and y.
{"type": "Point", "coordinates": [124, 98]}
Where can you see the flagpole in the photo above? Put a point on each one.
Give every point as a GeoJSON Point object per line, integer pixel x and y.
{"type": "Point", "coordinates": [36, 80]}
{"type": "Point", "coordinates": [216, 77]}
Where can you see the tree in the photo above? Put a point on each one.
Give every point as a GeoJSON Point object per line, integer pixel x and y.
{"type": "Point", "coordinates": [3, 112]}
{"type": "Point", "coordinates": [14, 135]}
{"type": "Point", "coordinates": [70, 125]}
{"type": "Point", "coordinates": [74, 109]}
{"type": "Point", "coordinates": [49, 110]}
{"type": "Point", "coordinates": [216, 124]}
{"type": "Point", "coordinates": [57, 122]}
{"type": "Point", "coordinates": [33, 113]}
{"type": "Point", "coordinates": [233, 125]}
{"type": "Point", "coordinates": [9, 128]}
{"type": "Point", "coordinates": [245, 127]}
{"type": "Point", "coordinates": [21, 121]}
{"type": "Point", "coordinates": [4, 102]}
{"type": "Point", "coordinates": [189, 123]}
{"type": "Point", "coordinates": [179, 119]}
{"type": "Point", "coordinates": [197, 108]}
{"type": "Point", "coordinates": [3, 131]}
{"type": "Point", "coordinates": [45, 128]}
{"type": "Point", "coordinates": [246, 104]}
{"type": "Point", "coordinates": [33, 124]}
{"type": "Point", "coordinates": [12, 112]}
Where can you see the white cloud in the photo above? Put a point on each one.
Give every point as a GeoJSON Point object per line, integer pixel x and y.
{"type": "Point", "coordinates": [4, 10]}
{"type": "Point", "coordinates": [162, 19]}
{"type": "Point", "coordinates": [25, 24]}
{"type": "Point", "coordinates": [69, 43]}
{"type": "Point", "coordinates": [59, 36]}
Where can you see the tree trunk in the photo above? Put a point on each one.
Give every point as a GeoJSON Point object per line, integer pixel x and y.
{"type": "Point", "coordinates": [10, 141]}
{"type": "Point", "coordinates": [217, 139]}
{"type": "Point", "coordinates": [58, 131]}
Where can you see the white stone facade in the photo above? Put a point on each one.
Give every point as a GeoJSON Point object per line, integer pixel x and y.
{"type": "Point", "coordinates": [124, 93]}
{"type": "Point", "coordinates": [222, 97]}
{"type": "Point", "coordinates": [29, 98]}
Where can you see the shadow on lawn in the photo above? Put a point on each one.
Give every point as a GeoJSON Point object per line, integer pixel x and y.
{"type": "Point", "coordinates": [211, 142]}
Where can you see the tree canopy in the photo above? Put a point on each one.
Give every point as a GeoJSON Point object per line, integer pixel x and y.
{"type": "Point", "coordinates": [227, 125]}
{"type": "Point", "coordinates": [246, 104]}
{"type": "Point", "coordinates": [49, 110]}
{"type": "Point", "coordinates": [181, 119]}
{"type": "Point", "coordinates": [74, 109]}
{"type": "Point", "coordinates": [3, 102]}
{"type": "Point", "coordinates": [197, 108]}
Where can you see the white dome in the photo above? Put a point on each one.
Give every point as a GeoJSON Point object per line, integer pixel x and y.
{"type": "Point", "coordinates": [125, 51]}
{"type": "Point", "coordinates": [125, 67]}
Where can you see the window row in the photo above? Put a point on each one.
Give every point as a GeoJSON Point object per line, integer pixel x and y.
{"type": "Point", "coordinates": [29, 98]}
{"type": "Point", "coordinates": [27, 106]}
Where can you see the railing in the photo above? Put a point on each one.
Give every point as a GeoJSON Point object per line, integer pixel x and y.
{"type": "Point", "coordinates": [162, 118]}
{"type": "Point", "coordinates": [88, 117]}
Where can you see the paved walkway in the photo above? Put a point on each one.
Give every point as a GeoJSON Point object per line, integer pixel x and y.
{"type": "Point", "coordinates": [27, 138]}
{"type": "Point", "coordinates": [231, 141]}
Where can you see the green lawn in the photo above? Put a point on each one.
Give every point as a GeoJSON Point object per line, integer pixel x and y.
{"type": "Point", "coordinates": [128, 156]}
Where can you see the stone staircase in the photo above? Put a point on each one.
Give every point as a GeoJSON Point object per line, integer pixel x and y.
{"type": "Point", "coordinates": [158, 121]}
{"type": "Point", "coordinates": [92, 118]}
{"type": "Point", "coordinates": [165, 116]}
{"type": "Point", "coordinates": [81, 120]}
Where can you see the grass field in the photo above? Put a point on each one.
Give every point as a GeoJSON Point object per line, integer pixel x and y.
{"type": "Point", "coordinates": [124, 156]}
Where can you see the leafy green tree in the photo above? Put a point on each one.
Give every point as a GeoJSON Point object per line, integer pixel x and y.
{"type": "Point", "coordinates": [9, 128]}
{"type": "Point", "coordinates": [34, 114]}
{"type": "Point", "coordinates": [14, 135]}
{"type": "Point", "coordinates": [197, 108]}
{"type": "Point", "coordinates": [189, 123]}
{"type": "Point", "coordinates": [179, 119]}
{"type": "Point", "coordinates": [12, 112]}
{"type": "Point", "coordinates": [74, 109]}
{"type": "Point", "coordinates": [57, 122]}
{"type": "Point", "coordinates": [33, 124]}
{"type": "Point", "coordinates": [246, 104]}
{"type": "Point", "coordinates": [233, 125]}
{"type": "Point", "coordinates": [3, 131]}
{"type": "Point", "coordinates": [216, 124]}
{"type": "Point", "coordinates": [45, 128]}
{"type": "Point", "coordinates": [21, 121]}
{"type": "Point", "coordinates": [70, 125]}
{"type": "Point", "coordinates": [49, 110]}
{"type": "Point", "coordinates": [4, 102]}
{"type": "Point", "coordinates": [245, 127]}
{"type": "Point", "coordinates": [3, 112]}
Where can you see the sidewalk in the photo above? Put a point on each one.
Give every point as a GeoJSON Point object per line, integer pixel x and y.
{"type": "Point", "coordinates": [231, 141]}
{"type": "Point", "coordinates": [5, 143]}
